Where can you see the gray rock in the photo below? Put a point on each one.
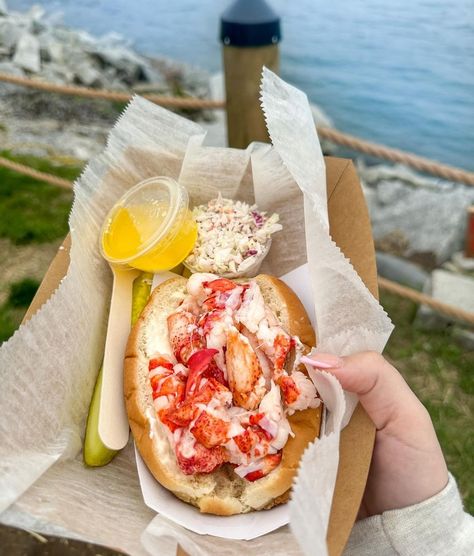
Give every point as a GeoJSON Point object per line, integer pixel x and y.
{"type": "Point", "coordinates": [51, 49]}
{"type": "Point", "coordinates": [370, 195]}
{"type": "Point", "coordinates": [430, 220]}
{"type": "Point", "coordinates": [3, 7]}
{"type": "Point", "coordinates": [401, 271]}
{"type": "Point", "coordinates": [390, 192]}
{"type": "Point", "coordinates": [27, 53]}
{"type": "Point", "coordinates": [464, 337]}
{"type": "Point", "coordinates": [462, 263]}
{"type": "Point", "coordinates": [88, 75]}
{"type": "Point", "coordinates": [56, 73]}
{"type": "Point", "coordinates": [35, 14]}
{"type": "Point", "coordinates": [154, 77]}
{"type": "Point", "coordinates": [374, 174]}
{"type": "Point", "coordinates": [9, 67]}
{"type": "Point", "coordinates": [450, 288]}
{"type": "Point", "coordinates": [127, 63]}
{"type": "Point", "coordinates": [10, 33]}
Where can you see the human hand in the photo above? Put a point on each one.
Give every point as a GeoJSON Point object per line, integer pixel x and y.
{"type": "Point", "coordinates": [407, 463]}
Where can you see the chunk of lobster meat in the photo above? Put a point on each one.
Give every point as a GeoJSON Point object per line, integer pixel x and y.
{"type": "Point", "coordinates": [288, 389]}
{"type": "Point", "coordinates": [164, 415]}
{"type": "Point", "coordinates": [195, 284]}
{"type": "Point", "coordinates": [212, 388]}
{"type": "Point", "coordinates": [214, 326]}
{"type": "Point", "coordinates": [160, 361]}
{"type": "Point", "coordinates": [182, 414]}
{"type": "Point", "coordinates": [209, 430]}
{"type": "Point", "coordinates": [168, 384]}
{"type": "Point", "coordinates": [198, 363]}
{"type": "Point", "coordinates": [269, 463]}
{"type": "Point", "coordinates": [264, 361]}
{"type": "Point", "coordinates": [281, 346]}
{"type": "Point", "coordinates": [244, 373]}
{"type": "Point", "coordinates": [276, 344]}
{"type": "Point", "coordinates": [307, 394]}
{"type": "Point", "coordinates": [252, 442]}
{"type": "Point", "coordinates": [213, 371]}
{"type": "Point", "coordinates": [209, 319]}
{"type": "Point", "coordinates": [199, 459]}
{"type": "Point", "coordinates": [219, 285]}
{"type": "Point", "coordinates": [223, 294]}
{"type": "Point", "coordinates": [183, 335]}
{"type": "Point", "coordinates": [252, 309]}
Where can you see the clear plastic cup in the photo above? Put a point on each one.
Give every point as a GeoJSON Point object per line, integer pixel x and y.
{"type": "Point", "coordinates": [150, 227]}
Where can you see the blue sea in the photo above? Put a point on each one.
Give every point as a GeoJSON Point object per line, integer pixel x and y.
{"type": "Point", "coordinates": [399, 73]}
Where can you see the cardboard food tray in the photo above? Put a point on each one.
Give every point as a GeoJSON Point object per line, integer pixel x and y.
{"type": "Point", "coordinates": [350, 229]}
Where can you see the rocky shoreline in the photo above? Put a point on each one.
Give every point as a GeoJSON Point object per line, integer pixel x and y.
{"type": "Point", "coordinates": [38, 123]}
{"type": "Point", "coordinates": [413, 216]}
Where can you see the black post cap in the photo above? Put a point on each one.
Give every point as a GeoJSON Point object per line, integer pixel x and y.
{"type": "Point", "coordinates": [250, 23]}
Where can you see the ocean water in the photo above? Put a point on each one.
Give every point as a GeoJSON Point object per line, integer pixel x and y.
{"type": "Point", "coordinates": [399, 73]}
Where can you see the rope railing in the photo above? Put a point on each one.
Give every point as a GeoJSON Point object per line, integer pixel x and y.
{"type": "Point", "coordinates": [423, 299]}
{"type": "Point", "coordinates": [35, 174]}
{"type": "Point", "coordinates": [380, 151]}
{"type": "Point", "coordinates": [162, 100]}
{"type": "Point", "coordinates": [395, 155]}
{"type": "Point", "coordinates": [384, 284]}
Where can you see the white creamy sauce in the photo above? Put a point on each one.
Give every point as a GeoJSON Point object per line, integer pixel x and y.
{"type": "Point", "coordinates": [157, 338]}
{"type": "Point", "coordinates": [187, 443]}
{"type": "Point", "coordinates": [235, 428]}
{"type": "Point", "coordinates": [152, 423]}
{"type": "Point", "coordinates": [275, 421]}
{"type": "Point", "coordinates": [180, 368]}
{"type": "Point", "coordinates": [284, 430]}
{"type": "Point", "coordinates": [161, 403]}
{"type": "Point", "coordinates": [243, 470]}
{"type": "Point", "coordinates": [235, 455]}
{"type": "Point", "coordinates": [233, 301]}
{"type": "Point", "coordinates": [267, 334]}
{"type": "Point", "coordinates": [217, 338]}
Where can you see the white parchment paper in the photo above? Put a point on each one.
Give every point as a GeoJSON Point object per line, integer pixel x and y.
{"type": "Point", "coordinates": [49, 366]}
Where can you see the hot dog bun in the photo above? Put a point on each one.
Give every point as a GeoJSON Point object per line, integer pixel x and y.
{"type": "Point", "coordinates": [220, 492]}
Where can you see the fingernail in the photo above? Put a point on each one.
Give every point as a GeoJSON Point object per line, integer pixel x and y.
{"type": "Point", "coordinates": [322, 361]}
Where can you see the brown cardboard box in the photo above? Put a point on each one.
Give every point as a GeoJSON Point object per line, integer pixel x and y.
{"type": "Point", "coordinates": [350, 229]}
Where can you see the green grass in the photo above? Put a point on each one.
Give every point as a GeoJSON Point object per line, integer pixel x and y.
{"type": "Point", "coordinates": [441, 373]}
{"type": "Point", "coordinates": [13, 310]}
{"type": "Point", "coordinates": [32, 211]}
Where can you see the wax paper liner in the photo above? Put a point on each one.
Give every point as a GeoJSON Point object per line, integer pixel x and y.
{"type": "Point", "coordinates": [348, 318]}
{"type": "Point", "coordinates": [49, 366]}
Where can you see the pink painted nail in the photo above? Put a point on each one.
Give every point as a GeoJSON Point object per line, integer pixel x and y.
{"type": "Point", "coordinates": [322, 361]}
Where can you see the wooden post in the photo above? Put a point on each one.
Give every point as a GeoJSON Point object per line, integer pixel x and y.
{"type": "Point", "coordinates": [250, 33]}
{"type": "Point", "coordinates": [469, 243]}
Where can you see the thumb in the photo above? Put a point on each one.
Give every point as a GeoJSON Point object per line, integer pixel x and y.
{"type": "Point", "coordinates": [382, 391]}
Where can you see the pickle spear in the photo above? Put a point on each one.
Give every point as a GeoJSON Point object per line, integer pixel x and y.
{"type": "Point", "coordinates": [96, 453]}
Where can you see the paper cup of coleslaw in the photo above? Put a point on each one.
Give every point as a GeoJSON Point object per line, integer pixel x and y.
{"type": "Point", "coordinates": [233, 238]}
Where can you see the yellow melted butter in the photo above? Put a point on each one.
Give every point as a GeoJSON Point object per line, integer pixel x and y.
{"type": "Point", "coordinates": [132, 227]}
